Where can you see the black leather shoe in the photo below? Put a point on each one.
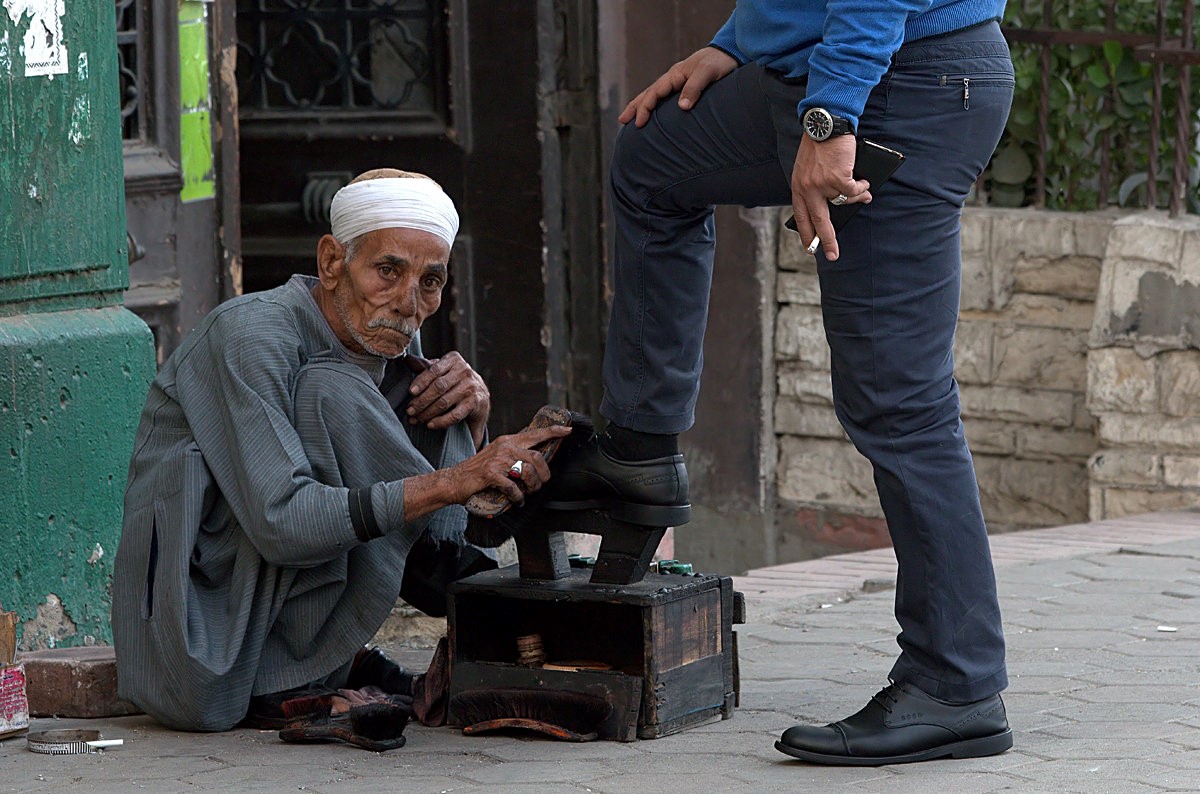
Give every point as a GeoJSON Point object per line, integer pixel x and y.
{"type": "Point", "coordinates": [647, 492]}
{"type": "Point", "coordinates": [372, 667]}
{"type": "Point", "coordinates": [902, 724]}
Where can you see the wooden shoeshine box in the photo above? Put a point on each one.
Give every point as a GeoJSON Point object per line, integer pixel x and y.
{"type": "Point", "coordinates": [667, 639]}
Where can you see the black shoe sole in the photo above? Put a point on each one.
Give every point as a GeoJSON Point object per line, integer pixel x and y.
{"type": "Point", "coordinates": [646, 515]}
{"type": "Point", "coordinates": [971, 748]}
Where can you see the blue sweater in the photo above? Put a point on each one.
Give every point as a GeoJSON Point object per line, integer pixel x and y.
{"type": "Point", "coordinates": [844, 46]}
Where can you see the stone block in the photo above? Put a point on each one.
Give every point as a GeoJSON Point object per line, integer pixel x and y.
{"type": "Point", "coordinates": [1095, 502]}
{"type": "Point", "coordinates": [1092, 230]}
{"type": "Point", "coordinates": [1153, 430]}
{"type": "Point", "coordinates": [1024, 239]}
{"type": "Point", "coordinates": [973, 352]}
{"type": "Point", "coordinates": [74, 682]}
{"type": "Point", "coordinates": [1045, 358]}
{"type": "Point", "coordinates": [790, 253]}
{"type": "Point", "coordinates": [991, 437]}
{"type": "Point", "coordinates": [1075, 277]}
{"type": "Point", "coordinates": [793, 380]}
{"type": "Point", "coordinates": [800, 288]}
{"type": "Point", "coordinates": [1121, 467]}
{"type": "Point", "coordinates": [1084, 418]}
{"type": "Point", "coordinates": [1151, 309]}
{"type": "Point", "coordinates": [1189, 260]}
{"type": "Point", "coordinates": [1103, 315]}
{"type": "Point", "coordinates": [1055, 443]}
{"type": "Point", "coordinates": [977, 292]}
{"type": "Point", "coordinates": [1038, 407]}
{"type": "Point", "coordinates": [1182, 471]}
{"type": "Point", "coordinates": [1013, 236]}
{"type": "Point", "coordinates": [1117, 301]}
{"type": "Point", "coordinates": [1031, 493]}
{"type": "Point", "coordinates": [976, 229]}
{"type": "Point", "coordinates": [1032, 234]}
{"type": "Point", "coordinates": [1119, 380]}
{"type": "Point", "coordinates": [1050, 312]}
{"type": "Point", "coordinates": [1179, 382]}
{"type": "Point", "coordinates": [1120, 502]}
{"type": "Point", "coordinates": [1149, 236]}
{"type": "Point", "coordinates": [800, 336]}
{"type": "Point", "coordinates": [820, 472]}
{"type": "Point", "coordinates": [797, 418]}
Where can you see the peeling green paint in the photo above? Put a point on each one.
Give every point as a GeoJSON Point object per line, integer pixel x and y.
{"type": "Point", "coordinates": [195, 122]}
{"type": "Point", "coordinates": [61, 163]}
{"type": "Point", "coordinates": [81, 114]}
{"type": "Point", "coordinates": [74, 364]}
{"type": "Point", "coordinates": [71, 388]}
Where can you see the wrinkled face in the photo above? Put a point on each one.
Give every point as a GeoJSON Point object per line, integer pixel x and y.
{"type": "Point", "coordinates": [385, 290]}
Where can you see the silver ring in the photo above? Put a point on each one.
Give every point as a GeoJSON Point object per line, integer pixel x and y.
{"type": "Point", "coordinates": [839, 199]}
{"type": "Point", "coordinates": [515, 470]}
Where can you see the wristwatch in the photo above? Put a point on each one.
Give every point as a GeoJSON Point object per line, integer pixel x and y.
{"type": "Point", "coordinates": [821, 125]}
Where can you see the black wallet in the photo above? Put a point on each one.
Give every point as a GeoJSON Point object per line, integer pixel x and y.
{"type": "Point", "coordinates": [872, 162]}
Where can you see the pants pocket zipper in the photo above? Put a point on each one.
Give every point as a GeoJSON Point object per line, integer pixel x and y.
{"type": "Point", "coordinates": [947, 79]}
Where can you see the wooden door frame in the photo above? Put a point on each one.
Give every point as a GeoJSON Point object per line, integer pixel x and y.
{"type": "Point", "coordinates": [569, 122]}
{"type": "Point", "coordinates": [176, 285]}
{"type": "Point", "coordinates": [225, 144]}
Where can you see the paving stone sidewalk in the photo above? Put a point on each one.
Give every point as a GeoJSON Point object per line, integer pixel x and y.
{"type": "Point", "coordinates": [1103, 630]}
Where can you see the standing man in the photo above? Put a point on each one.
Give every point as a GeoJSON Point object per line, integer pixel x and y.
{"type": "Point", "coordinates": [295, 459]}
{"type": "Point", "coordinates": [767, 114]}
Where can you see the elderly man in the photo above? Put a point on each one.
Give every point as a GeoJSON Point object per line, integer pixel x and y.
{"type": "Point", "coordinates": [276, 491]}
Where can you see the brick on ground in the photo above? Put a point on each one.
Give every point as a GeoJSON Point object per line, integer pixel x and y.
{"type": "Point", "coordinates": [74, 682]}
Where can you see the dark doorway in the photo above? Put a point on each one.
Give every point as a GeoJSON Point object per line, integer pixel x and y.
{"type": "Point", "coordinates": [468, 92]}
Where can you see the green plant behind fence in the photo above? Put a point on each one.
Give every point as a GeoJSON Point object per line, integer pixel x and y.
{"type": "Point", "coordinates": [1100, 100]}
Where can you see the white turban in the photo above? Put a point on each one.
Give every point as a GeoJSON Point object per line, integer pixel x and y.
{"type": "Point", "coordinates": [393, 203]}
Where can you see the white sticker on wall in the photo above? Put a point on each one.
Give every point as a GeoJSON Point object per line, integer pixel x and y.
{"type": "Point", "coordinates": [44, 47]}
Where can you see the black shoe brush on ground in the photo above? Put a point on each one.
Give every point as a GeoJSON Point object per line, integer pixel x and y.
{"type": "Point", "coordinates": [374, 726]}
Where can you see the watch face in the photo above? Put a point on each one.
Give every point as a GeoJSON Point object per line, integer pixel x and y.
{"type": "Point", "coordinates": [818, 124]}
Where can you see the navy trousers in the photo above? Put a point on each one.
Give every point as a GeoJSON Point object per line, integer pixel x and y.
{"type": "Point", "coordinates": [890, 307]}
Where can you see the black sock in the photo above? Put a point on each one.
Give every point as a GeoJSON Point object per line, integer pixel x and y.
{"type": "Point", "coordinates": [625, 444]}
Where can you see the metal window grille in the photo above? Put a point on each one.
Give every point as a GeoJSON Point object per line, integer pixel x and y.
{"type": "Point", "coordinates": [1164, 37]}
{"type": "Point", "coordinates": [131, 70]}
{"type": "Point", "coordinates": [343, 60]}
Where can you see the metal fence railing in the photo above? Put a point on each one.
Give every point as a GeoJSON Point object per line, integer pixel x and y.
{"type": "Point", "coordinates": [1107, 87]}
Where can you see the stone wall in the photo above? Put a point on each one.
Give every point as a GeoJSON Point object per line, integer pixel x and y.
{"type": "Point", "coordinates": [1070, 415]}
{"type": "Point", "coordinates": [1144, 368]}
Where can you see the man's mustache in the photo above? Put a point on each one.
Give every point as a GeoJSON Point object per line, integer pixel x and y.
{"type": "Point", "coordinates": [395, 325]}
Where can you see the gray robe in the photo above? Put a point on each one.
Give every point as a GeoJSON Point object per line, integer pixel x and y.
{"type": "Point", "coordinates": [264, 536]}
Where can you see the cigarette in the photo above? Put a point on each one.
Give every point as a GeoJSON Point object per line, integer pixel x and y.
{"type": "Point", "coordinates": [812, 247]}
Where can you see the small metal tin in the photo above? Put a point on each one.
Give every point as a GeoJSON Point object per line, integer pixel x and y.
{"type": "Point", "coordinates": [69, 742]}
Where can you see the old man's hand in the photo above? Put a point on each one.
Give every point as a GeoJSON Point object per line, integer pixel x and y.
{"type": "Point", "coordinates": [450, 392]}
{"type": "Point", "coordinates": [511, 464]}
